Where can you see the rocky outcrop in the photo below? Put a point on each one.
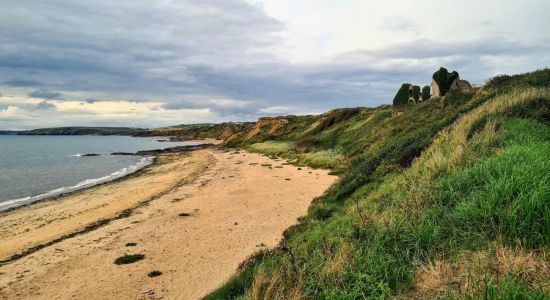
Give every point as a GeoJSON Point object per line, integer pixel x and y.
{"type": "Point", "coordinates": [408, 93]}
{"type": "Point", "coordinates": [443, 82]}
{"type": "Point", "coordinates": [402, 96]}
{"type": "Point", "coordinates": [426, 93]}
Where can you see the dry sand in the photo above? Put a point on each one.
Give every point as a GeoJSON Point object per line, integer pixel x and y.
{"type": "Point", "coordinates": [236, 207]}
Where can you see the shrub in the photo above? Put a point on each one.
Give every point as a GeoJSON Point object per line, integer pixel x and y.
{"type": "Point", "coordinates": [505, 83]}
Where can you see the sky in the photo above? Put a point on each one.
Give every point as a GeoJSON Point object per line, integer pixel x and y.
{"type": "Point", "coordinates": [157, 63]}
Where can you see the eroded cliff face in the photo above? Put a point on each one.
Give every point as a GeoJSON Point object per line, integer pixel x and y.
{"type": "Point", "coordinates": [290, 127]}
{"type": "Point", "coordinates": [265, 126]}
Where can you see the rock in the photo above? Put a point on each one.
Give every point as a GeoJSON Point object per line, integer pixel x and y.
{"type": "Point", "coordinates": [461, 85]}
{"type": "Point", "coordinates": [407, 93]}
{"type": "Point", "coordinates": [90, 154]}
{"type": "Point", "coordinates": [443, 81]}
{"type": "Point", "coordinates": [403, 95]}
{"type": "Point", "coordinates": [426, 93]}
{"type": "Point", "coordinates": [122, 153]}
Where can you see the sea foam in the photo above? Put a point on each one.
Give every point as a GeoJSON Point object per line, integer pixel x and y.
{"type": "Point", "coordinates": [143, 162]}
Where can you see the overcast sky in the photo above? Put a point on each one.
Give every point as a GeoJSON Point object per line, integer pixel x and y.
{"type": "Point", "coordinates": [157, 63]}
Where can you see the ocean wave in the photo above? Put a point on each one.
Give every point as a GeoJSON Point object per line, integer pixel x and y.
{"type": "Point", "coordinates": [143, 162]}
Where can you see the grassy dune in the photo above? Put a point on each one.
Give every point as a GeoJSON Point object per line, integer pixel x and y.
{"type": "Point", "coordinates": [446, 199]}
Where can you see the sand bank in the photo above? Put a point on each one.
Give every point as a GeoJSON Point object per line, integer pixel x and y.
{"type": "Point", "coordinates": [204, 213]}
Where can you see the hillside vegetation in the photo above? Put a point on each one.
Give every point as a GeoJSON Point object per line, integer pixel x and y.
{"type": "Point", "coordinates": [449, 198]}
{"type": "Point", "coordinates": [197, 131]}
{"type": "Point", "coordinates": [79, 131]}
{"type": "Point", "coordinates": [179, 132]}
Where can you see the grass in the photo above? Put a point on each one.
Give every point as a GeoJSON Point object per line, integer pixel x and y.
{"type": "Point", "coordinates": [435, 202]}
{"type": "Point", "coordinates": [128, 259]}
{"type": "Point", "coordinates": [330, 158]}
{"type": "Point", "coordinates": [270, 147]}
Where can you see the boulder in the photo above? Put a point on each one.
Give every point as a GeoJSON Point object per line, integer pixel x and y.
{"type": "Point", "coordinates": [407, 93]}
{"type": "Point", "coordinates": [443, 81]}
{"type": "Point", "coordinates": [461, 85]}
{"type": "Point", "coordinates": [402, 97]}
{"type": "Point", "coordinates": [414, 94]}
{"type": "Point", "coordinates": [426, 93]}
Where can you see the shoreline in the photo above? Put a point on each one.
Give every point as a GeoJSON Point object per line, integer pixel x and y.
{"type": "Point", "coordinates": [234, 205]}
{"type": "Point", "coordinates": [144, 153]}
{"type": "Point", "coordinates": [98, 222]}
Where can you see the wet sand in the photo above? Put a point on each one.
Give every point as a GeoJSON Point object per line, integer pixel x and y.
{"type": "Point", "coordinates": [195, 217]}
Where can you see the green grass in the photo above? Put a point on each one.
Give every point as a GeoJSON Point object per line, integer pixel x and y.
{"type": "Point", "coordinates": [465, 185]}
{"type": "Point", "coordinates": [128, 259]}
{"type": "Point", "coordinates": [511, 288]}
{"type": "Point", "coordinates": [503, 196]}
{"type": "Point", "coordinates": [270, 147]}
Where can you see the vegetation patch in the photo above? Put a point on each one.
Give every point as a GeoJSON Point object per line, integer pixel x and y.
{"type": "Point", "coordinates": [128, 259]}
{"type": "Point", "coordinates": [154, 273]}
{"type": "Point", "coordinates": [270, 147]}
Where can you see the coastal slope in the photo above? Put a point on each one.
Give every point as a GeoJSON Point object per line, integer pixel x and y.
{"type": "Point", "coordinates": [447, 198]}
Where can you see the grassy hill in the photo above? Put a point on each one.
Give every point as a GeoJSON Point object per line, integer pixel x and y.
{"type": "Point", "coordinates": [197, 131]}
{"type": "Point", "coordinates": [83, 131]}
{"type": "Point", "coordinates": [445, 199]}
{"type": "Point", "coordinates": [184, 131]}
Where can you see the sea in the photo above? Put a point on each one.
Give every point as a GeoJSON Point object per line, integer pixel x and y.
{"type": "Point", "coordinates": [37, 167]}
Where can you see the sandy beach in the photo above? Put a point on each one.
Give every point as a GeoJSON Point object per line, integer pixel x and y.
{"type": "Point", "coordinates": [194, 216]}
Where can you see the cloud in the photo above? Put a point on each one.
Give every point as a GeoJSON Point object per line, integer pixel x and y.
{"type": "Point", "coordinates": [399, 23]}
{"type": "Point", "coordinates": [10, 114]}
{"type": "Point", "coordinates": [22, 83]}
{"type": "Point", "coordinates": [45, 94]}
{"type": "Point", "coordinates": [221, 107]}
{"type": "Point", "coordinates": [241, 59]}
{"type": "Point", "coordinates": [44, 105]}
